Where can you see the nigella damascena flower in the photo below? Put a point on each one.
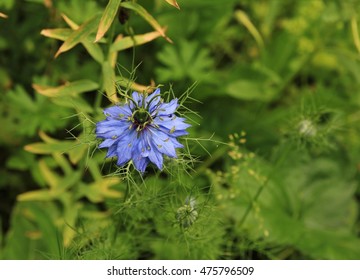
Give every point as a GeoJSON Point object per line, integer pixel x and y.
{"type": "Point", "coordinates": [142, 130]}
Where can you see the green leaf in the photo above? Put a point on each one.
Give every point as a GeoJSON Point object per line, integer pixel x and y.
{"type": "Point", "coordinates": [78, 35]}
{"type": "Point", "coordinates": [316, 243]}
{"type": "Point", "coordinates": [69, 89]}
{"type": "Point", "coordinates": [249, 90]}
{"type": "Point", "coordinates": [107, 18]}
{"type": "Point", "coordinates": [32, 110]}
{"type": "Point", "coordinates": [185, 60]}
{"type": "Point", "coordinates": [131, 41]}
{"type": "Point", "coordinates": [32, 227]}
{"type": "Point", "coordinates": [148, 17]}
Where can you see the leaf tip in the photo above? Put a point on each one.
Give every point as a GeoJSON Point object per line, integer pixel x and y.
{"type": "Point", "coordinates": [28, 148]}
{"type": "Point", "coordinates": [173, 3]}
{"type": "Point", "coordinates": [169, 40]}
{"type": "Point", "coordinates": [58, 53]}
{"type": "Point", "coordinates": [98, 37]}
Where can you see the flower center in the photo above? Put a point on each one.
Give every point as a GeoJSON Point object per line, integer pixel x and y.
{"type": "Point", "coordinates": [141, 118]}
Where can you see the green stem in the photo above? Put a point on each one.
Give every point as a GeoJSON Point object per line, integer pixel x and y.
{"type": "Point", "coordinates": [98, 99]}
{"type": "Point", "coordinates": [251, 204]}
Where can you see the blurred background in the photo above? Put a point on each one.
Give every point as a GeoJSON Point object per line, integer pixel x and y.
{"type": "Point", "coordinates": [275, 136]}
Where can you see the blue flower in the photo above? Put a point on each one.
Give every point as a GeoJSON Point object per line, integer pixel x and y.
{"type": "Point", "coordinates": [142, 130]}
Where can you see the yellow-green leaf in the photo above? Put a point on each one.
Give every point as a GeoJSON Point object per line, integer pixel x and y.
{"type": "Point", "coordinates": [69, 89]}
{"type": "Point", "coordinates": [93, 49]}
{"type": "Point", "coordinates": [101, 189]}
{"type": "Point", "coordinates": [77, 153]}
{"type": "Point", "coordinates": [79, 34]}
{"type": "Point", "coordinates": [71, 23]}
{"type": "Point", "coordinates": [46, 138]}
{"type": "Point", "coordinates": [107, 18]}
{"type": "Point", "coordinates": [173, 3]}
{"type": "Point", "coordinates": [70, 215]}
{"type": "Point", "coordinates": [126, 83]}
{"type": "Point", "coordinates": [148, 17]}
{"type": "Point", "coordinates": [38, 195]}
{"type": "Point", "coordinates": [51, 145]}
{"type": "Point", "coordinates": [70, 180]}
{"type": "Point", "coordinates": [75, 102]}
{"type": "Point", "coordinates": [131, 41]}
{"type": "Point", "coordinates": [242, 17]}
{"type": "Point", "coordinates": [50, 177]}
{"type": "Point", "coordinates": [109, 84]}
{"type": "Point", "coordinates": [49, 148]}
{"type": "Point", "coordinates": [355, 33]}
{"type": "Point", "coordinates": [57, 33]}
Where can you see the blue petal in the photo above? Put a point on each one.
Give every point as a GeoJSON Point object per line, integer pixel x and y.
{"type": "Point", "coordinates": [176, 143]}
{"type": "Point", "coordinates": [172, 124]}
{"type": "Point", "coordinates": [143, 144]}
{"type": "Point", "coordinates": [107, 143]}
{"type": "Point", "coordinates": [118, 112]}
{"type": "Point", "coordinates": [138, 98]}
{"type": "Point", "coordinates": [105, 126]}
{"type": "Point", "coordinates": [176, 133]}
{"type": "Point", "coordinates": [162, 143]}
{"type": "Point", "coordinates": [166, 109]}
{"type": "Point", "coordinates": [125, 147]}
{"type": "Point", "coordinates": [156, 157]}
{"type": "Point", "coordinates": [110, 128]}
{"type": "Point", "coordinates": [112, 151]}
{"type": "Point", "coordinates": [141, 163]}
{"type": "Point", "coordinates": [154, 100]}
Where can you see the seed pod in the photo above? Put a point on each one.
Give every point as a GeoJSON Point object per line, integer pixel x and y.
{"type": "Point", "coordinates": [186, 215]}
